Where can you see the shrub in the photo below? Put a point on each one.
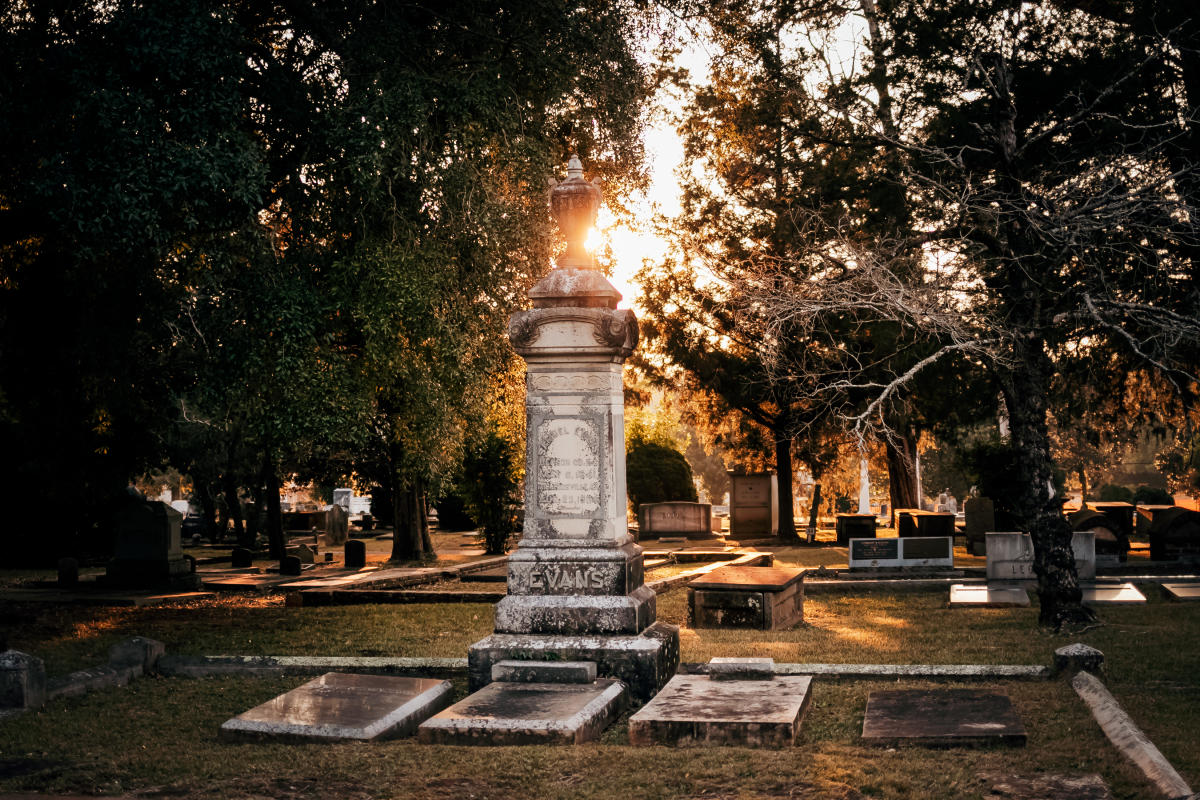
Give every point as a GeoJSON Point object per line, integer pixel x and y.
{"type": "Point", "coordinates": [489, 486]}
{"type": "Point", "coordinates": [1112, 493]}
{"type": "Point", "coordinates": [656, 473]}
{"type": "Point", "coordinates": [1151, 496]}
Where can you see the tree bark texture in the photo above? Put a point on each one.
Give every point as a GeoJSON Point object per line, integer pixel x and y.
{"type": "Point", "coordinates": [783, 475]}
{"type": "Point", "coordinates": [275, 543]}
{"type": "Point", "coordinates": [1025, 391]}
{"type": "Point", "coordinates": [901, 452]}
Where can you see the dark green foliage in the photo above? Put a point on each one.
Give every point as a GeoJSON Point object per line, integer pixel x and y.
{"type": "Point", "coordinates": [1112, 493]}
{"type": "Point", "coordinates": [490, 487]}
{"type": "Point", "coordinates": [1151, 496]}
{"type": "Point", "coordinates": [452, 513]}
{"type": "Point", "coordinates": [656, 473]}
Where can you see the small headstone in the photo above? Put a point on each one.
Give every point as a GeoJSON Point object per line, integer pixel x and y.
{"type": "Point", "coordinates": [343, 706]}
{"type": "Point", "coordinates": [1112, 594]}
{"type": "Point", "coordinates": [290, 565]}
{"type": "Point", "coordinates": [1078, 656]}
{"type": "Point", "coordinates": [1182, 592]}
{"type": "Point", "coordinates": [242, 558]}
{"type": "Point", "coordinates": [979, 517]}
{"type": "Point", "coordinates": [983, 596]}
{"type": "Point", "coordinates": [942, 717]}
{"type": "Point", "coordinates": [68, 572]}
{"type": "Point", "coordinates": [147, 551]}
{"type": "Point", "coordinates": [753, 508]}
{"type": "Point", "coordinates": [328, 556]}
{"type": "Point", "coordinates": [528, 713]}
{"type": "Point", "coordinates": [22, 680]}
{"type": "Point", "coordinates": [337, 524]}
{"type": "Point", "coordinates": [854, 526]}
{"type": "Point", "coordinates": [138, 652]}
{"type": "Point", "coordinates": [356, 554]}
{"type": "Point", "coordinates": [694, 709]}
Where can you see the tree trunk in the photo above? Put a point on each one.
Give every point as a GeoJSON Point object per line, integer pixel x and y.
{"type": "Point", "coordinates": [208, 511]}
{"type": "Point", "coordinates": [1035, 507]}
{"type": "Point", "coordinates": [277, 548]}
{"type": "Point", "coordinates": [233, 509]}
{"type": "Point", "coordinates": [1083, 487]}
{"type": "Point", "coordinates": [901, 451]}
{"type": "Point", "coordinates": [783, 475]}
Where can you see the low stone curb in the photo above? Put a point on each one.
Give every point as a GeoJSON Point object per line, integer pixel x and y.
{"type": "Point", "coordinates": [929, 671]}
{"type": "Point", "coordinates": [350, 597]}
{"type": "Point", "coordinates": [1128, 738]}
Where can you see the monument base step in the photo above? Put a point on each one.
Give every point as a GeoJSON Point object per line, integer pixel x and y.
{"type": "Point", "coordinates": [644, 663]}
{"type": "Point", "coordinates": [504, 713]}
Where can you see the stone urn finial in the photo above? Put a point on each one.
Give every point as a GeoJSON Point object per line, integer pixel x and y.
{"type": "Point", "coordinates": [574, 204]}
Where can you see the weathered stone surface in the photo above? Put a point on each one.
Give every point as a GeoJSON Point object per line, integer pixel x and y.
{"type": "Point", "coordinates": [344, 706]}
{"type": "Point", "coordinates": [1010, 556]}
{"type": "Point", "coordinates": [763, 598]}
{"type": "Point", "coordinates": [22, 680]}
{"type": "Point", "coordinates": [544, 671]}
{"type": "Point", "coordinates": [1182, 592]}
{"type": "Point", "coordinates": [644, 663]}
{"type": "Point", "coordinates": [741, 669]}
{"type": "Point", "coordinates": [528, 713]}
{"type": "Point", "coordinates": [1078, 656]}
{"type": "Point", "coordinates": [137, 652]}
{"type": "Point", "coordinates": [983, 596]}
{"type": "Point", "coordinates": [696, 709]}
{"type": "Point", "coordinates": [1045, 786]}
{"type": "Point", "coordinates": [678, 518]}
{"type": "Point", "coordinates": [945, 717]}
{"type": "Point", "coordinates": [1112, 594]}
{"type": "Point", "coordinates": [753, 508]}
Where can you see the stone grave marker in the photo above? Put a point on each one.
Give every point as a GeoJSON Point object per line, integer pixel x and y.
{"type": "Point", "coordinates": [746, 709]}
{"type": "Point", "coordinates": [344, 706]}
{"type": "Point", "coordinates": [915, 552]}
{"type": "Point", "coordinates": [762, 598]}
{"type": "Point", "coordinates": [1182, 592]}
{"type": "Point", "coordinates": [979, 517]}
{"type": "Point", "coordinates": [337, 525]}
{"type": "Point", "coordinates": [1010, 556]}
{"type": "Point", "coordinates": [356, 554]}
{"type": "Point", "coordinates": [1175, 535]}
{"type": "Point", "coordinates": [753, 505]}
{"type": "Point", "coordinates": [576, 588]}
{"type": "Point", "coordinates": [342, 497]}
{"type": "Point", "coordinates": [1112, 594]}
{"type": "Point", "coordinates": [983, 596]}
{"type": "Point", "coordinates": [854, 526]}
{"type": "Point", "coordinates": [941, 717]}
{"type": "Point", "coordinates": [148, 552]}
{"type": "Point", "coordinates": [1045, 786]}
{"type": "Point", "coordinates": [677, 518]}
{"type": "Point", "coordinates": [242, 558]}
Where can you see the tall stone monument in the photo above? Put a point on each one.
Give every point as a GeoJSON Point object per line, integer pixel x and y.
{"type": "Point", "coordinates": [575, 582]}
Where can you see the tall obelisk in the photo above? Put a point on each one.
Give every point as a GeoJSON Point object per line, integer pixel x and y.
{"type": "Point", "coordinates": [575, 581]}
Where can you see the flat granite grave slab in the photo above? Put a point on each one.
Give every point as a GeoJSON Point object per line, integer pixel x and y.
{"type": "Point", "coordinates": [503, 713]}
{"type": "Point", "coordinates": [341, 705]}
{"type": "Point", "coordinates": [1182, 592]}
{"type": "Point", "coordinates": [1112, 594]}
{"type": "Point", "coordinates": [983, 596]}
{"type": "Point", "coordinates": [694, 709]}
{"type": "Point", "coordinates": [941, 718]}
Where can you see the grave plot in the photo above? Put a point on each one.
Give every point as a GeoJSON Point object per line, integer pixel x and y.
{"type": "Point", "coordinates": [765, 598]}
{"type": "Point", "coordinates": [741, 702]}
{"type": "Point", "coordinates": [1112, 594]}
{"type": "Point", "coordinates": [1182, 592]}
{"type": "Point", "coordinates": [344, 706]}
{"type": "Point", "coordinates": [945, 717]}
{"type": "Point", "coordinates": [984, 596]}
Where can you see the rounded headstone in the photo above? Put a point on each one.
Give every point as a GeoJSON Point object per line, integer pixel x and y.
{"type": "Point", "coordinates": [289, 565]}
{"type": "Point", "coordinates": [242, 558]}
{"type": "Point", "coordinates": [356, 554]}
{"type": "Point", "coordinates": [1078, 657]}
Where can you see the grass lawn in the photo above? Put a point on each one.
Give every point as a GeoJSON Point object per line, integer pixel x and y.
{"type": "Point", "coordinates": [159, 736]}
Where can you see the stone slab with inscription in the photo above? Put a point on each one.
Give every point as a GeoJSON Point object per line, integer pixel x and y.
{"type": "Point", "coordinates": [676, 518]}
{"type": "Point", "coordinates": [695, 709]}
{"type": "Point", "coordinates": [1010, 556]}
{"type": "Point", "coordinates": [923, 552]}
{"type": "Point", "coordinates": [941, 717]}
{"type": "Point", "coordinates": [344, 706]}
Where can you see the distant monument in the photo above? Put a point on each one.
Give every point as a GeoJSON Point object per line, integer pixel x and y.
{"type": "Point", "coordinates": [575, 582]}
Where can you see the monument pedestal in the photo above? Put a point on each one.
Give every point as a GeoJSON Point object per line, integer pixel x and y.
{"type": "Point", "coordinates": [576, 589]}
